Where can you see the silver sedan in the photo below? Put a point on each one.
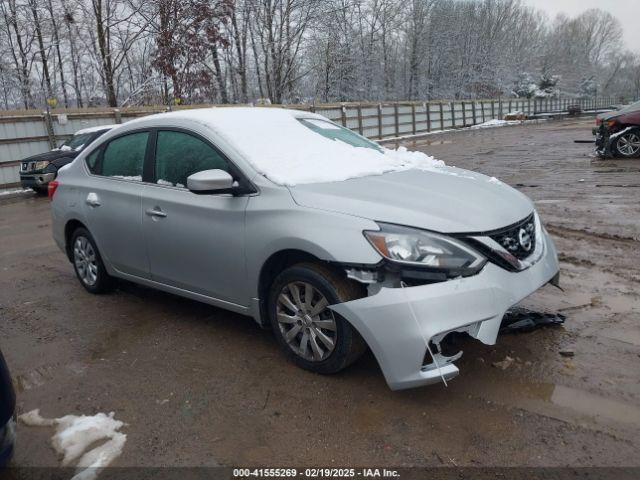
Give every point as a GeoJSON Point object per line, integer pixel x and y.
{"type": "Point", "coordinates": [331, 240]}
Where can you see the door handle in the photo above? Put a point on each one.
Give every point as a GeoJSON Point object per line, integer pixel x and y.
{"type": "Point", "coordinates": [155, 212]}
{"type": "Point", "coordinates": [93, 200]}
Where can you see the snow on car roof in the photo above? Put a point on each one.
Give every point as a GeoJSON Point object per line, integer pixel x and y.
{"type": "Point", "coordinates": [98, 128]}
{"type": "Point", "coordinates": [280, 147]}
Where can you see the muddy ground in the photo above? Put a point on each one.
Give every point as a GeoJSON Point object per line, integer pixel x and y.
{"type": "Point", "coordinates": [200, 386]}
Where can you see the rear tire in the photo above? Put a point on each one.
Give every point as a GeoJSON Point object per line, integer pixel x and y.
{"type": "Point", "coordinates": [627, 145]}
{"type": "Point", "coordinates": [88, 264]}
{"type": "Point", "coordinates": [311, 335]}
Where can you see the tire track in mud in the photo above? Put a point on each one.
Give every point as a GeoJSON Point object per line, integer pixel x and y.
{"type": "Point", "coordinates": [568, 232]}
{"type": "Point", "coordinates": [610, 253]}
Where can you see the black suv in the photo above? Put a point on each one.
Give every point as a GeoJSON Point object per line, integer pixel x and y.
{"type": "Point", "coordinates": [7, 411]}
{"type": "Point", "coordinates": [36, 172]}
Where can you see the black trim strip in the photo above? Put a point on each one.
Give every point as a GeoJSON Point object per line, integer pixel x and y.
{"type": "Point", "coordinates": [497, 231]}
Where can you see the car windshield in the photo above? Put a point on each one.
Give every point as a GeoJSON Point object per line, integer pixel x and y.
{"type": "Point", "coordinates": [336, 132]}
{"type": "Point", "coordinates": [77, 142]}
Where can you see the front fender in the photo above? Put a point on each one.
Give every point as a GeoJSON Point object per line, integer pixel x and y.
{"type": "Point", "coordinates": [275, 223]}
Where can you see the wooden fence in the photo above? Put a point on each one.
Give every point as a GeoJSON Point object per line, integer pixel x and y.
{"type": "Point", "coordinates": [26, 133]}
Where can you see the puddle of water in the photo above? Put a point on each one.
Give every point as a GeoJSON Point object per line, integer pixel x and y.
{"type": "Point", "coordinates": [629, 337]}
{"type": "Point", "coordinates": [594, 405]}
{"type": "Point", "coordinates": [568, 404]}
{"type": "Point", "coordinates": [621, 303]}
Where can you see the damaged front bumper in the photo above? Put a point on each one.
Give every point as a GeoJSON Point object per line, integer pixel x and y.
{"type": "Point", "coordinates": [404, 327]}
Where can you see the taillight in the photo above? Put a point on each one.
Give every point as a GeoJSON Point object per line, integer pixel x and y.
{"type": "Point", "coordinates": [51, 188]}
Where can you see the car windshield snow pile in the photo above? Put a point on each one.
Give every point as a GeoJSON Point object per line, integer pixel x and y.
{"type": "Point", "coordinates": [292, 148]}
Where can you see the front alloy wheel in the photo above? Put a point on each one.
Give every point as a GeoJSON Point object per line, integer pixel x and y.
{"type": "Point", "coordinates": [628, 144]}
{"type": "Point", "coordinates": [312, 335]}
{"type": "Point", "coordinates": [305, 322]}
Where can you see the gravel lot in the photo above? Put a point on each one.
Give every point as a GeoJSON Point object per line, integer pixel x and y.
{"type": "Point", "coordinates": [200, 386]}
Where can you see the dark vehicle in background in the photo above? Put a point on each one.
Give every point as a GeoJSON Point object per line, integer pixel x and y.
{"type": "Point", "coordinates": [7, 411]}
{"type": "Point", "coordinates": [618, 132]}
{"type": "Point", "coordinates": [37, 171]}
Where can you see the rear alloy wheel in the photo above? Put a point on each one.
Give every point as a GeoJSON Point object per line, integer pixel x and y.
{"type": "Point", "coordinates": [627, 145]}
{"type": "Point", "coordinates": [88, 264]}
{"type": "Point", "coordinates": [312, 335]}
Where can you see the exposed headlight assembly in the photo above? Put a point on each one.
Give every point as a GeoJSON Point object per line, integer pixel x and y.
{"type": "Point", "coordinates": [416, 248]}
{"type": "Point", "coordinates": [41, 165]}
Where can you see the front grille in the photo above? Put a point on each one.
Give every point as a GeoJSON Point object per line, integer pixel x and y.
{"type": "Point", "coordinates": [518, 239]}
{"type": "Point", "coordinates": [27, 167]}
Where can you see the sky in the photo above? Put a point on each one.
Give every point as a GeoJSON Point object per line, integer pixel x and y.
{"type": "Point", "coordinates": [627, 11]}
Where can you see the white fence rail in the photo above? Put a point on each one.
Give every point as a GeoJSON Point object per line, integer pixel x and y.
{"type": "Point", "coordinates": [23, 134]}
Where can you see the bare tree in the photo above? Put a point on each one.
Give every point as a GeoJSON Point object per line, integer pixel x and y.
{"type": "Point", "coordinates": [114, 52]}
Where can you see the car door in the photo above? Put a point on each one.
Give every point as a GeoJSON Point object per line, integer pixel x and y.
{"type": "Point", "coordinates": [112, 202]}
{"type": "Point", "coordinates": [194, 242]}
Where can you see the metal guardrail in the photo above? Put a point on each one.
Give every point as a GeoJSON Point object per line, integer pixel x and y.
{"type": "Point", "coordinates": [26, 133]}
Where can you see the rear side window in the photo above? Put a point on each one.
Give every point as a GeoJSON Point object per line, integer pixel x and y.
{"type": "Point", "coordinates": [92, 161]}
{"type": "Point", "coordinates": [123, 157]}
{"type": "Point", "coordinates": [179, 155]}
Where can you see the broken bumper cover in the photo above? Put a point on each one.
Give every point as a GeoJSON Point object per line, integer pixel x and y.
{"type": "Point", "coordinates": [399, 323]}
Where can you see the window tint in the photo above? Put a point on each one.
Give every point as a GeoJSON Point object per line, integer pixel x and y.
{"type": "Point", "coordinates": [92, 161]}
{"type": "Point", "coordinates": [124, 157]}
{"type": "Point", "coordinates": [179, 155]}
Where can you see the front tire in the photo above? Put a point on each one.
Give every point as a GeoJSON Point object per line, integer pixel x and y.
{"type": "Point", "coordinates": [88, 264]}
{"type": "Point", "coordinates": [627, 145]}
{"type": "Point", "coordinates": [311, 335]}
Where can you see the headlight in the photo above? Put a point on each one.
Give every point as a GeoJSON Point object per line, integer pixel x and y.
{"type": "Point", "coordinates": [41, 165]}
{"type": "Point", "coordinates": [422, 249]}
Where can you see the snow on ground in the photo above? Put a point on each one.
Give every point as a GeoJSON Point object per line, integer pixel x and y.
{"type": "Point", "coordinates": [13, 191]}
{"type": "Point", "coordinates": [496, 123]}
{"type": "Point", "coordinates": [74, 434]}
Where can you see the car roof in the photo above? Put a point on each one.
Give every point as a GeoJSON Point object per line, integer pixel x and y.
{"type": "Point", "coordinates": [98, 128]}
{"type": "Point", "coordinates": [219, 118]}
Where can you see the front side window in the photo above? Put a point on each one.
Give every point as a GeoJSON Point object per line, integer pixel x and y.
{"type": "Point", "coordinates": [179, 155]}
{"type": "Point", "coordinates": [123, 157]}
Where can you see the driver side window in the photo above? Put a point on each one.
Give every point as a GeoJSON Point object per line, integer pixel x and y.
{"type": "Point", "coordinates": [179, 155]}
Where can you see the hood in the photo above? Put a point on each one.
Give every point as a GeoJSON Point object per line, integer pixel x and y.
{"type": "Point", "coordinates": [608, 115]}
{"type": "Point", "coordinates": [7, 395]}
{"type": "Point", "coordinates": [447, 200]}
{"type": "Point", "coordinates": [52, 155]}
{"type": "Point", "coordinates": [634, 107]}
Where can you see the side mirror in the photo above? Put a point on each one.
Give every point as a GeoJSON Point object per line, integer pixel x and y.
{"type": "Point", "coordinates": [210, 181]}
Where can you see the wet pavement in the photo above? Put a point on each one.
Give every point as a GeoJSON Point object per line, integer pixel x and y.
{"type": "Point", "coordinates": [201, 386]}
